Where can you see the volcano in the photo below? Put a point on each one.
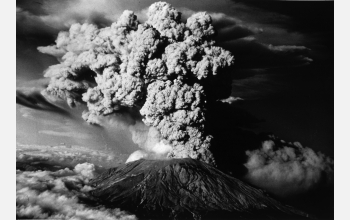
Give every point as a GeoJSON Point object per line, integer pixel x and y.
{"type": "Point", "coordinates": [185, 189]}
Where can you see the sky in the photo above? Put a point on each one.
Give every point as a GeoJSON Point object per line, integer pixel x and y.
{"type": "Point", "coordinates": [283, 67]}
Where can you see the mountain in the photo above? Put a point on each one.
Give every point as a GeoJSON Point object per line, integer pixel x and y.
{"type": "Point", "coordinates": [185, 189]}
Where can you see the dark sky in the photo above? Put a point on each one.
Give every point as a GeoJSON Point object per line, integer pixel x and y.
{"type": "Point", "coordinates": [283, 59]}
{"type": "Point", "coordinates": [296, 102]}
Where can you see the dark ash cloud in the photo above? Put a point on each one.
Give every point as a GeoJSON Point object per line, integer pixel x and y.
{"type": "Point", "coordinates": [35, 100]}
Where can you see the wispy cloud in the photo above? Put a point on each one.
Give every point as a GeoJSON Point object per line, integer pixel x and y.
{"type": "Point", "coordinates": [65, 134]}
{"type": "Point", "coordinates": [37, 101]}
{"type": "Point", "coordinates": [60, 15]}
{"type": "Point", "coordinates": [250, 53]}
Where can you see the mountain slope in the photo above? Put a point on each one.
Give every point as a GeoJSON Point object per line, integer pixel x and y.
{"type": "Point", "coordinates": [185, 189]}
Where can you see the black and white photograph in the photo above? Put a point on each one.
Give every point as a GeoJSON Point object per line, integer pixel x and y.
{"type": "Point", "coordinates": [176, 109]}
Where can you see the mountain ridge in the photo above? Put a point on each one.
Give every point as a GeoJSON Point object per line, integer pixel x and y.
{"type": "Point", "coordinates": [185, 189]}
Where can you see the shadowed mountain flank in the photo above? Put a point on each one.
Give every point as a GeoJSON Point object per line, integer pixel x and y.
{"type": "Point", "coordinates": [185, 189]}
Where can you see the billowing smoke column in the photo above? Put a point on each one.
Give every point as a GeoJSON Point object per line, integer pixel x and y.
{"type": "Point", "coordinates": [160, 67]}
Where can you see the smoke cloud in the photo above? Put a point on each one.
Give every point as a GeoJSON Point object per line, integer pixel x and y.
{"type": "Point", "coordinates": [161, 68]}
{"type": "Point", "coordinates": [149, 139]}
{"type": "Point", "coordinates": [145, 137]}
{"type": "Point", "coordinates": [287, 169]}
{"type": "Point", "coordinates": [60, 194]}
{"type": "Point", "coordinates": [137, 155]}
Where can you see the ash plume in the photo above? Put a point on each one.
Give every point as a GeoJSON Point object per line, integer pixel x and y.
{"type": "Point", "coordinates": [147, 138]}
{"type": "Point", "coordinates": [162, 67]}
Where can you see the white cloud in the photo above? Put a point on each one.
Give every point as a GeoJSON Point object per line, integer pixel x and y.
{"type": "Point", "coordinates": [44, 194]}
{"type": "Point", "coordinates": [68, 156]}
{"type": "Point", "coordinates": [231, 99]}
{"type": "Point", "coordinates": [286, 169]}
{"type": "Point", "coordinates": [85, 169]}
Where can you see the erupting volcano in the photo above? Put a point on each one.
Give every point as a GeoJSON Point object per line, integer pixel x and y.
{"type": "Point", "coordinates": [165, 83]}
{"type": "Point", "coordinates": [185, 189]}
{"type": "Point", "coordinates": [163, 67]}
